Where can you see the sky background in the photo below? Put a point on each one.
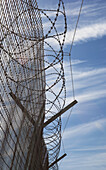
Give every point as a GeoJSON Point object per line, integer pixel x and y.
{"type": "Point", "coordinates": [84, 137]}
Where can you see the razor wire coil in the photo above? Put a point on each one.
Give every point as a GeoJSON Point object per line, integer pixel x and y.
{"type": "Point", "coordinates": [34, 77]}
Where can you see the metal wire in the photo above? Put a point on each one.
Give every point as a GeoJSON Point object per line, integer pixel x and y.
{"type": "Point", "coordinates": [36, 79]}
{"type": "Point", "coordinates": [72, 46]}
{"type": "Point", "coordinates": [71, 73]}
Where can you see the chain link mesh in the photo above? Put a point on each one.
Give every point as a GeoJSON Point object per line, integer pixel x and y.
{"type": "Point", "coordinates": [32, 70]}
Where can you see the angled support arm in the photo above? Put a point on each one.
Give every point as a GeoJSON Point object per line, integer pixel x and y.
{"type": "Point", "coordinates": [22, 107]}
{"type": "Point", "coordinates": [60, 113]}
{"type": "Point", "coordinates": [57, 160]}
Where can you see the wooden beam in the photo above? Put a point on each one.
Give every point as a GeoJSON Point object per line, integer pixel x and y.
{"type": "Point", "coordinates": [60, 113]}
{"type": "Point", "coordinates": [57, 160]}
{"type": "Point", "coordinates": [22, 108]}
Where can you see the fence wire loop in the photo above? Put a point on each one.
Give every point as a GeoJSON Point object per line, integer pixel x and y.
{"type": "Point", "coordinates": [31, 68]}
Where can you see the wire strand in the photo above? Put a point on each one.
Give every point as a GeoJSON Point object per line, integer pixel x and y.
{"type": "Point", "coordinates": [71, 70]}
{"type": "Point", "coordinates": [71, 74]}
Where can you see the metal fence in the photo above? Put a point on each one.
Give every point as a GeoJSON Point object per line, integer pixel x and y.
{"type": "Point", "coordinates": [32, 84]}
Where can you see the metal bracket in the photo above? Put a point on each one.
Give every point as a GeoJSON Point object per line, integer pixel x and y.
{"type": "Point", "coordinates": [57, 160]}
{"type": "Point", "coordinates": [22, 108]}
{"type": "Point", "coordinates": [60, 113]}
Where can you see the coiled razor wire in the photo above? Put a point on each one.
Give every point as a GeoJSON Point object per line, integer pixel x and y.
{"type": "Point", "coordinates": [32, 69]}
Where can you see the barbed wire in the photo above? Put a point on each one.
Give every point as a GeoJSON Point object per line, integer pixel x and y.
{"type": "Point", "coordinates": [34, 78]}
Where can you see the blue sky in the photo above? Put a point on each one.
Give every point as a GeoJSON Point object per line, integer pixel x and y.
{"type": "Point", "coordinates": [84, 137]}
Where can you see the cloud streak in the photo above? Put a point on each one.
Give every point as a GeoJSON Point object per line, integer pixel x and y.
{"type": "Point", "coordinates": [92, 23]}
{"type": "Point", "coordinates": [95, 148]}
{"type": "Point", "coordinates": [91, 161]}
{"type": "Point", "coordinates": [84, 129]}
{"type": "Point", "coordinates": [86, 33]}
{"type": "Point", "coordinates": [89, 82]}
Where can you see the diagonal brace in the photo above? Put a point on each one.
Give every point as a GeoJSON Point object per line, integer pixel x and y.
{"type": "Point", "coordinates": [22, 107]}
{"type": "Point", "coordinates": [57, 160]}
{"type": "Point", "coordinates": [60, 113]}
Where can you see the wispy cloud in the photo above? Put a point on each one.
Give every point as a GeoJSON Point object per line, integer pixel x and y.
{"type": "Point", "coordinates": [89, 9]}
{"type": "Point", "coordinates": [74, 62]}
{"type": "Point", "coordinates": [84, 33]}
{"type": "Point", "coordinates": [81, 72]}
{"type": "Point", "coordinates": [92, 24]}
{"type": "Point", "coordinates": [90, 83]}
{"type": "Point", "coordinates": [84, 129]}
{"type": "Point", "coordinates": [87, 32]}
{"type": "Point", "coordinates": [90, 95]}
{"type": "Point", "coordinates": [91, 161]}
{"type": "Point", "coordinates": [91, 72]}
{"type": "Point", "coordinates": [93, 148]}
{"type": "Point", "coordinates": [85, 151]}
